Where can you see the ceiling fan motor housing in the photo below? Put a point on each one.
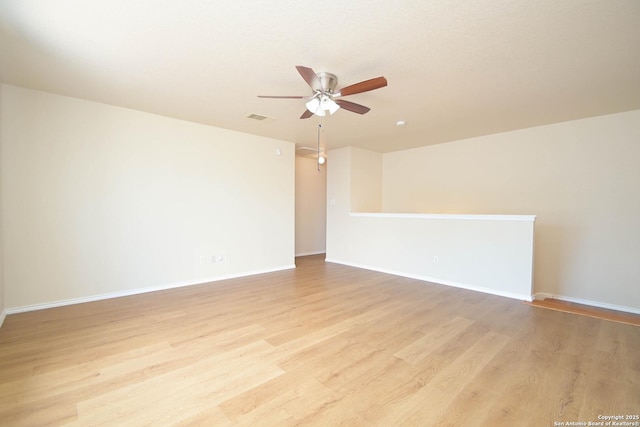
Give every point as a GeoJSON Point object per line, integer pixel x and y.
{"type": "Point", "coordinates": [328, 82]}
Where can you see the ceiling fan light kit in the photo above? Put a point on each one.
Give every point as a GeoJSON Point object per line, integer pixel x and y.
{"type": "Point", "coordinates": [320, 104]}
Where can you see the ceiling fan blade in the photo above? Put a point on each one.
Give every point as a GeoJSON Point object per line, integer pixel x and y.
{"type": "Point", "coordinates": [310, 77]}
{"type": "Point", "coordinates": [363, 86]}
{"type": "Point", "coordinates": [306, 114]}
{"type": "Point", "coordinates": [282, 97]}
{"type": "Point", "coordinates": [352, 106]}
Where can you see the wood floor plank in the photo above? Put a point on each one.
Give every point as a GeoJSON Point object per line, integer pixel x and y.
{"type": "Point", "coordinates": [446, 384]}
{"type": "Point", "coordinates": [324, 344]}
{"type": "Point", "coordinates": [278, 401]}
{"type": "Point", "coordinates": [204, 382]}
{"type": "Point", "coordinates": [435, 337]}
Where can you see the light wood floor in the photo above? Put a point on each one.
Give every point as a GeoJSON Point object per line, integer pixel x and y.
{"type": "Point", "coordinates": [321, 345]}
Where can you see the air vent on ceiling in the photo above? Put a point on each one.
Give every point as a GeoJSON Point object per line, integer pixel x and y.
{"type": "Point", "coordinates": [259, 117]}
{"type": "Point", "coordinates": [309, 152]}
{"type": "Point", "coordinates": [305, 151]}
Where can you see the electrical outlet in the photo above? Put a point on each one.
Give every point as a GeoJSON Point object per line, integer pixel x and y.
{"type": "Point", "coordinates": [436, 259]}
{"type": "Point", "coordinates": [216, 259]}
{"type": "Point", "coordinates": [203, 259]}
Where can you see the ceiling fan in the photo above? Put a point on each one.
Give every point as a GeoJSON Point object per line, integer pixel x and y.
{"type": "Point", "coordinates": [324, 99]}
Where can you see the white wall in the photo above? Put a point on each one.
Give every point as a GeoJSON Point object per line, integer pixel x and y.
{"type": "Point", "coordinates": [102, 200]}
{"type": "Point", "coordinates": [2, 304]}
{"type": "Point", "coordinates": [581, 179]}
{"type": "Point", "coordinates": [311, 207]}
{"type": "Point", "coordinates": [486, 253]}
{"type": "Point", "coordinates": [339, 203]}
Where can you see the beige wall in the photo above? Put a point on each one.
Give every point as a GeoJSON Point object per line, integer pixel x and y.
{"type": "Point", "coordinates": [100, 200]}
{"type": "Point", "coordinates": [581, 179]}
{"type": "Point", "coordinates": [311, 207]}
{"type": "Point", "coordinates": [366, 180]}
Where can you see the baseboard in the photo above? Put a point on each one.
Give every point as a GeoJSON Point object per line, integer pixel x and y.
{"type": "Point", "coordinates": [513, 295]}
{"type": "Point", "coordinates": [3, 316]}
{"type": "Point", "coordinates": [310, 253]}
{"type": "Point", "coordinates": [541, 296]}
{"type": "Point", "coordinates": [606, 306]}
{"type": "Point", "coordinates": [138, 291]}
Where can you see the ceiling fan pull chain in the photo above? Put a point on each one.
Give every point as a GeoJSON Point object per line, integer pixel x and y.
{"type": "Point", "coordinates": [318, 159]}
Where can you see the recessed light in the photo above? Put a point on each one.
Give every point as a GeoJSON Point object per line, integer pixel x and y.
{"type": "Point", "coordinates": [400, 123]}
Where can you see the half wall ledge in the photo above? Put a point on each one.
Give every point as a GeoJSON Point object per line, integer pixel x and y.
{"type": "Point", "coordinates": [530, 218]}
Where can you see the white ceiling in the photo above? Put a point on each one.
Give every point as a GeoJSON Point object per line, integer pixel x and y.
{"type": "Point", "coordinates": [456, 69]}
